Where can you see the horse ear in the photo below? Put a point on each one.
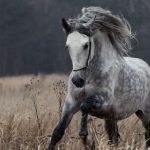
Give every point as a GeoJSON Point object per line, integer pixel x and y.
{"type": "Point", "coordinates": [65, 25]}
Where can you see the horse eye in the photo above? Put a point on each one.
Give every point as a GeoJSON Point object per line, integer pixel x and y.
{"type": "Point", "coordinates": [86, 46]}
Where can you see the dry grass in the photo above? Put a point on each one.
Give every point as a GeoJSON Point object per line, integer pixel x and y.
{"type": "Point", "coordinates": [31, 106]}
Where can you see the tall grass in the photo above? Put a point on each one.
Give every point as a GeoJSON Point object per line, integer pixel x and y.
{"type": "Point", "coordinates": [30, 107]}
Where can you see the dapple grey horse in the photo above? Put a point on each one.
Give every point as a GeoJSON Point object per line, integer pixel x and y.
{"type": "Point", "coordinates": [103, 83]}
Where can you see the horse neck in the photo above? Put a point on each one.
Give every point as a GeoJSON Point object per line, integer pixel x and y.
{"type": "Point", "coordinates": [105, 54]}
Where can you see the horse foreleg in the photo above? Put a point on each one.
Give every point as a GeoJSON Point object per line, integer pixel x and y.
{"type": "Point", "coordinates": [88, 142]}
{"type": "Point", "coordinates": [85, 108]}
{"type": "Point", "coordinates": [67, 114]}
{"type": "Point", "coordinates": [83, 130]}
{"type": "Point", "coordinates": [59, 131]}
{"type": "Point", "coordinates": [112, 131]}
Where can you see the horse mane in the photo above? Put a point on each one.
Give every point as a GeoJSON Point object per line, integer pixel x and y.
{"type": "Point", "coordinates": [117, 28]}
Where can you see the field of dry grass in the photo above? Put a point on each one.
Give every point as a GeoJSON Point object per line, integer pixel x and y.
{"type": "Point", "coordinates": [30, 108]}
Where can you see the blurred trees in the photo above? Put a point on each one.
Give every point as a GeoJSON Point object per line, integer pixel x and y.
{"type": "Point", "coordinates": [32, 41]}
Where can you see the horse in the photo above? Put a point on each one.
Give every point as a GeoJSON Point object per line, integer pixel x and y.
{"type": "Point", "coordinates": [105, 81]}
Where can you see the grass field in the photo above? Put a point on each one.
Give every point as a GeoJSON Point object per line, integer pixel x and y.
{"type": "Point", "coordinates": [30, 109]}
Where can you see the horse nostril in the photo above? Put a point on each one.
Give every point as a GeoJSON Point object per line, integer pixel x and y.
{"type": "Point", "coordinates": [78, 82]}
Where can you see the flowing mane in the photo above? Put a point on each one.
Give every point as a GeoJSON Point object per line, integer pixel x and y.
{"type": "Point", "coordinates": [117, 28]}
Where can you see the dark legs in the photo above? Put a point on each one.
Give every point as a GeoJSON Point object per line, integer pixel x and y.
{"type": "Point", "coordinates": [68, 112]}
{"type": "Point", "coordinates": [85, 108]}
{"type": "Point", "coordinates": [88, 143]}
{"type": "Point", "coordinates": [59, 131]}
{"type": "Point", "coordinates": [83, 130]}
{"type": "Point", "coordinates": [111, 127]}
{"type": "Point", "coordinates": [112, 131]}
{"type": "Point", "coordinates": [146, 124]}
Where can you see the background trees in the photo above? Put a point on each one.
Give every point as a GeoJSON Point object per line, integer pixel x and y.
{"type": "Point", "coordinates": [32, 41]}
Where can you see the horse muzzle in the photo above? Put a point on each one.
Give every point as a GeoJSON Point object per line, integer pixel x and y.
{"type": "Point", "coordinates": [78, 82]}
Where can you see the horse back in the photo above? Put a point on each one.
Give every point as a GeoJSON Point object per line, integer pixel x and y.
{"type": "Point", "coordinates": [140, 69]}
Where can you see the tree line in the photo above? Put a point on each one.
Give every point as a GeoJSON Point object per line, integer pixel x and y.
{"type": "Point", "coordinates": [31, 37]}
